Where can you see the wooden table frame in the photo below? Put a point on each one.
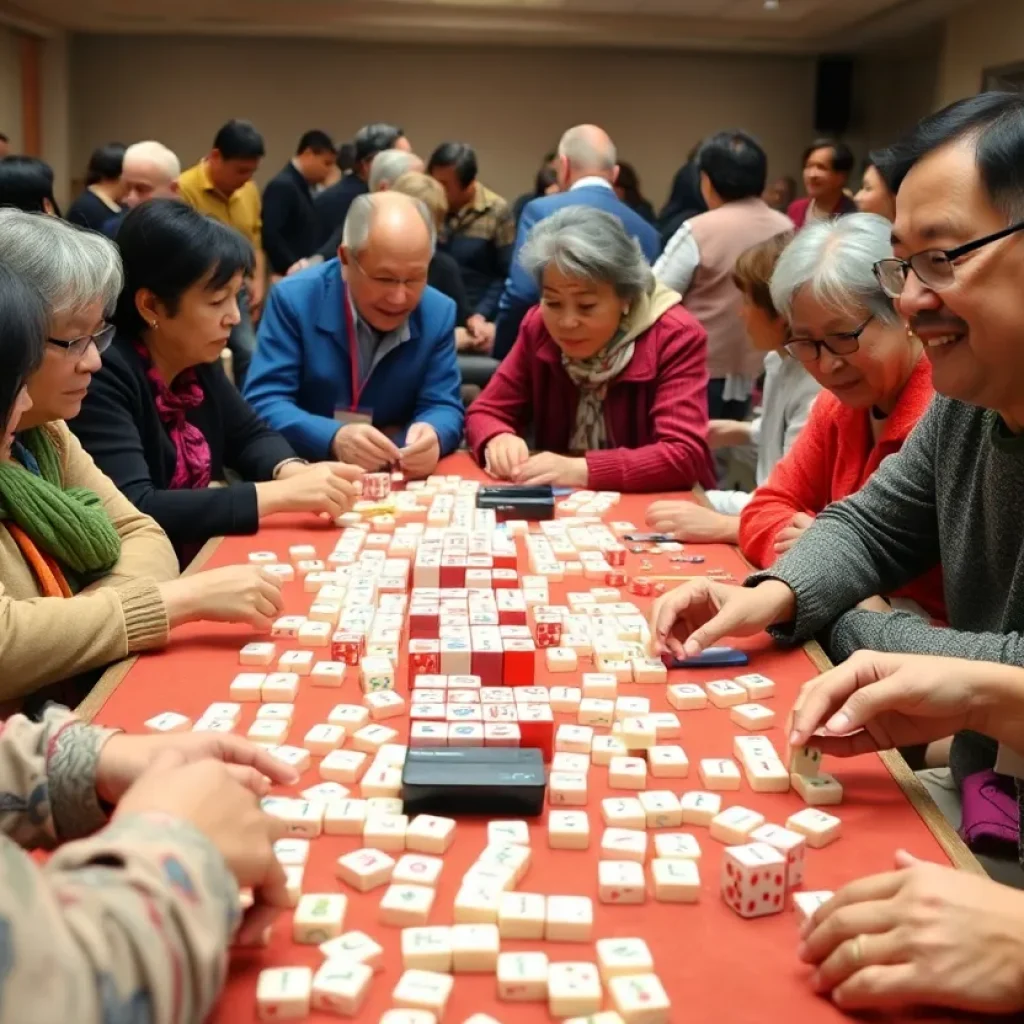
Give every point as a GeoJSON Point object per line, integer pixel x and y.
{"type": "Point", "coordinates": [913, 788]}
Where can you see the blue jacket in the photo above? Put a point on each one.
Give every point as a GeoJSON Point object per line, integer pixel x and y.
{"type": "Point", "coordinates": [301, 370]}
{"type": "Point", "coordinates": [521, 292]}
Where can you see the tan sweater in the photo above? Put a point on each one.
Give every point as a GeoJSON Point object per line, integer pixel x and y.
{"type": "Point", "coordinates": [46, 639]}
{"type": "Point", "coordinates": [128, 921]}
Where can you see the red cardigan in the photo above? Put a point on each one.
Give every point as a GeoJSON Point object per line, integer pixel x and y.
{"type": "Point", "coordinates": [656, 411]}
{"type": "Point", "coordinates": [832, 458]}
{"type": "Point", "coordinates": [797, 211]}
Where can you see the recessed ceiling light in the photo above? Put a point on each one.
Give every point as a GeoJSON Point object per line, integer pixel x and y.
{"type": "Point", "coordinates": [771, 5]}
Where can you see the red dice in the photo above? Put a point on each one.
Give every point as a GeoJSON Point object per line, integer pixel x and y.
{"type": "Point", "coordinates": [615, 578]}
{"type": "Point", "coordinates": [641, 586]}
{"type": "Point", "coordinates": [347, 647]}
{"type": "Point", "coordinates": [548, 633]}
{"type": "Point", "coordinates": [376, 486]}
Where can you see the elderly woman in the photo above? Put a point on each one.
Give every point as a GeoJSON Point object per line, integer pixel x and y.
{"type": "Point", "coordinates": [876, 194]}
{"type": "Point", "coordinates": [608, 372]}
{"type": "Point", "coordinates": [85, 578]}
{"type": "Point", "coordinates": [844, 329]}
{"type": "Point", "coordinates": [161, 418]}
{"type": "Point", "coordinates": [789, 392]}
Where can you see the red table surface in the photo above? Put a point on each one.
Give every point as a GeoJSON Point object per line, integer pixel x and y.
{"type": "Point", "coordinates": [715, 966]}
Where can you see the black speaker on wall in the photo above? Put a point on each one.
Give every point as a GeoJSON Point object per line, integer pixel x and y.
{"type": "Point", "coordinates": [833, 95]}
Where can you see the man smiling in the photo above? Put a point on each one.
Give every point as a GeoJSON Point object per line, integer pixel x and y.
{"type": "Point", "coordinates": [951, 497]}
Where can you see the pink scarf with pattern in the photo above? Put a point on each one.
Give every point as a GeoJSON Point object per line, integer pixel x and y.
{"type": "Point", "coordinates": [192, 464]}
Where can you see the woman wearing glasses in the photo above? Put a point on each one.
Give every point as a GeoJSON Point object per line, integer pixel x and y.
{"type": "Point", "coordinates": [845, 331]}
{"type": "Point", "coordinates": [85, 578]}
{"type": "Point", "coordinates": [162, 420]}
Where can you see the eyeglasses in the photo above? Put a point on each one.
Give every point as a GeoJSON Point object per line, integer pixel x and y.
{"type": "Point", "coordinates": [933, 267]}
{"type": "Point", "coordinates": [77, 347]}
{"type": "Point", "coordinates": [390, 282]}
{"type": "Point", "coordinates": [843, 343]}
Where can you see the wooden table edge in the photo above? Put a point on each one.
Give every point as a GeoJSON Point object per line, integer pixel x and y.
{"type": "Point", "coordinates": [113, 676]}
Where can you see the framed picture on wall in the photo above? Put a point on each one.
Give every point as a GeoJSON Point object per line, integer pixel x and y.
{"type": "Point", "coordinates": [1008, 78]}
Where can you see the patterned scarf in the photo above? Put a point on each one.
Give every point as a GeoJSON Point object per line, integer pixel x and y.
{"type": "Point", "coordinates": [192, 465]}
{"type": "Point", "coordinates": [593, 376]}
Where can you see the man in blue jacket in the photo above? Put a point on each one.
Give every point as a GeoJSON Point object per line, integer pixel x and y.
{"type": "Point", "coordinates": [355, 359]}
{"type": "Point", "coordinates": [586, 170]}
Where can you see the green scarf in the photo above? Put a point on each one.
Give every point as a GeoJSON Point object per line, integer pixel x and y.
{"type": "Point", "coordinates": [69, 524]}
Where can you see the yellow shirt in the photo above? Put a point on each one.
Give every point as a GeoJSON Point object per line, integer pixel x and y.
{"type": "Point", "coordinates": [241, 210]}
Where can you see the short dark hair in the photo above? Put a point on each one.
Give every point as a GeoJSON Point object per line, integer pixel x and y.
{"type": "Point", "coordinates": [25, 181]}
{"type": "Point", "coordinates": [167, 247]}
{"type": "Point", "coordinates": [316, 140]}
{"type": "Point", "coordinates": [879, 160]}
{"type": "Point", "coordinates": [993, 122]}
{"type": "Point", "coordinates": [239, 140]}
{"type": "Point", "coordinates": [546, 177]}
{"type": "Point", "coordinates": [346, 156]}
{"type": "Point", "coordinates": [735, 164]}
{"type": "Point", "coordinates": [842, 156]}
{"type": "Point", "coordinates": [26, 319]}
{"type": "Point", "coordinates": [105, 163]}
{"type": "Point", "coordinates": [374, 138]}
{"type": "Point", "coordinates": [459, 155]}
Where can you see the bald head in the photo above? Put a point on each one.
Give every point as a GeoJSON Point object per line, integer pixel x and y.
{"type": "Point", "coordinates": [386, 247]}
{"type": "Point", "coordinates": [149, 171]}
{"type": "Point", "coordinates": [587, 150]}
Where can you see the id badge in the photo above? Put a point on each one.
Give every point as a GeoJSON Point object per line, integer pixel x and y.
{"type": "Point", "coordinates": [346, 417]}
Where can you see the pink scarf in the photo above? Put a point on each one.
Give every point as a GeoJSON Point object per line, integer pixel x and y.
{"type": "Point", "coordinates": [192, 465]}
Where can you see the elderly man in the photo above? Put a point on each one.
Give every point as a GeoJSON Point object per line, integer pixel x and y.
{"type": "Point", "coordinates": [332, 204]}
{"type": "Point", "coordinates": [951, 496]}
{"type": "Point", "coordinates": [479, 232]}
{"type": "Point", "coordinates": [389, 166]}
{"type": "Point", "coordinates": [149, 171]}
{"type": "Point", "coordinates": [700, 258]}
{"type": "Point", "coordinates": [586, 174]}
{"type": "Point", "coordinates": [356, 357]}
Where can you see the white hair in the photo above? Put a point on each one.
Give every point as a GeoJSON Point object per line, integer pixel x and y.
{"type": "Point", "coordinates": [835, 259]}
{"type": "Point", "coordinates": [584, 242]}
{"type": "Point", "coordinates": [586, 150]}
{"type": "Point", "coordinates": [157, 154]}
{"type": "Point", "coordinates": [71, 267]}
{"type": "Point", "coordinates": [360, 216]}
{"type": "Point", "coordinates": [389, 165]}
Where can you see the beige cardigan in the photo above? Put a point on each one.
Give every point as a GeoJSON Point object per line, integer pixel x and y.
{"type": "Point", "coordinates": [46, 639]}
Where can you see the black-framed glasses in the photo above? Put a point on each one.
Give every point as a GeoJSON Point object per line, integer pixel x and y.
{"type": "Point", "coordinates": [77, 347]}
{"type": "Point", "coordinates": [933, 267]}
{"type": "Point", "coordinates": [842, 343]}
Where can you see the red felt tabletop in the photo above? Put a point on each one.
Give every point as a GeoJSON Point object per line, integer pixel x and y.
{"type": "Point", "coordinates": [715, 966]}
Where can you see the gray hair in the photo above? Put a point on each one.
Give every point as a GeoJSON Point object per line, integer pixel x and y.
{"type": "Point", "coordinates": [359, 219]}
{"type": "Point", "coordinates": [835, 260]}
{"type": "Point", "coordinates": [155, 153]}
{"type": "Point", "coordinates": [389, 165]}
{"type": "Point", "coordinates": [582, 241]}
{"type": "Point", "coordinates": [587, 148]}
{"type": "Point", "coordinates": [71, 267]}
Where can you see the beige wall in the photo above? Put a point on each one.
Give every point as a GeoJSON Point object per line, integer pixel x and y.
{"type": "Point", "coordinates": [10, 87]}
{"type": "Point", "coordinates": [512, 104]}
{"type": "Point", "coordinates": [983, 35]}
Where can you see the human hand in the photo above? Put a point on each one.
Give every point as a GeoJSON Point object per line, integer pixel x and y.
{"type": "Point", "coordinates": [325, 488]}
{"type": "Point", "coordinates": [481, 333]}
{"type": "Point", "coordinates": [124, 758]}
{"type": "Point", "coordinates": [549, 468]}
{"type": "Point", "coordinates": [309, 261]}
{"type": "Point", "coordinates": [696, 615]}
{"type": "Point", "coordinates": [422, 450]}
{"type": "Point", "coordinates": [923, 934]}
{"type": "Point", "coordinates": [207, 796]}
{"type": "Point", "coordinates": [363, 445]}
{"type": "Point", "coordinates": [464, 341]}
{"type": "Point", "coordinates": [235, 593]}
{"type": "Point", "coordinates": [687, 521]}
{"type": "Point", "coordinates": [789, 535]}
{"type": "Point", "coordinates": [504, 455]}
{"type": "Point", "coordinates": [879, 701]}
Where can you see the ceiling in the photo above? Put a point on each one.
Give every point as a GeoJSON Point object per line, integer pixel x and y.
{"type": "Point", "coordinates": [794, 26]}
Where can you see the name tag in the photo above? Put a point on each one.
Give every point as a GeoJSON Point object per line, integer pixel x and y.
{"type": "Point", "coordinates": [346, 417]}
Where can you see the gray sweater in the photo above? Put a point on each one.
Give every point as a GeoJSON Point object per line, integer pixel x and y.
{"type": "Point", "coordinates": [951, 496]}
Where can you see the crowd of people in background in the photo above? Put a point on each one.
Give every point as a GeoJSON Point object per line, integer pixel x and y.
{"type": "Point", "coordinates": [183, 355]}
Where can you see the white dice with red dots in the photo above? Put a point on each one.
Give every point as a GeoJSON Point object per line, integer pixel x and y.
{"type": "Point", "coordinates": [754, 879]}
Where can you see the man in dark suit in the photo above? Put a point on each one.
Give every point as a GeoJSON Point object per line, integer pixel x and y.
{"type": "Point", "coordinates": [289, 219]}
{"type": "Point", "coordinates": [332, 204]}
{"type": "Point", "coordinates": [586, 174]}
